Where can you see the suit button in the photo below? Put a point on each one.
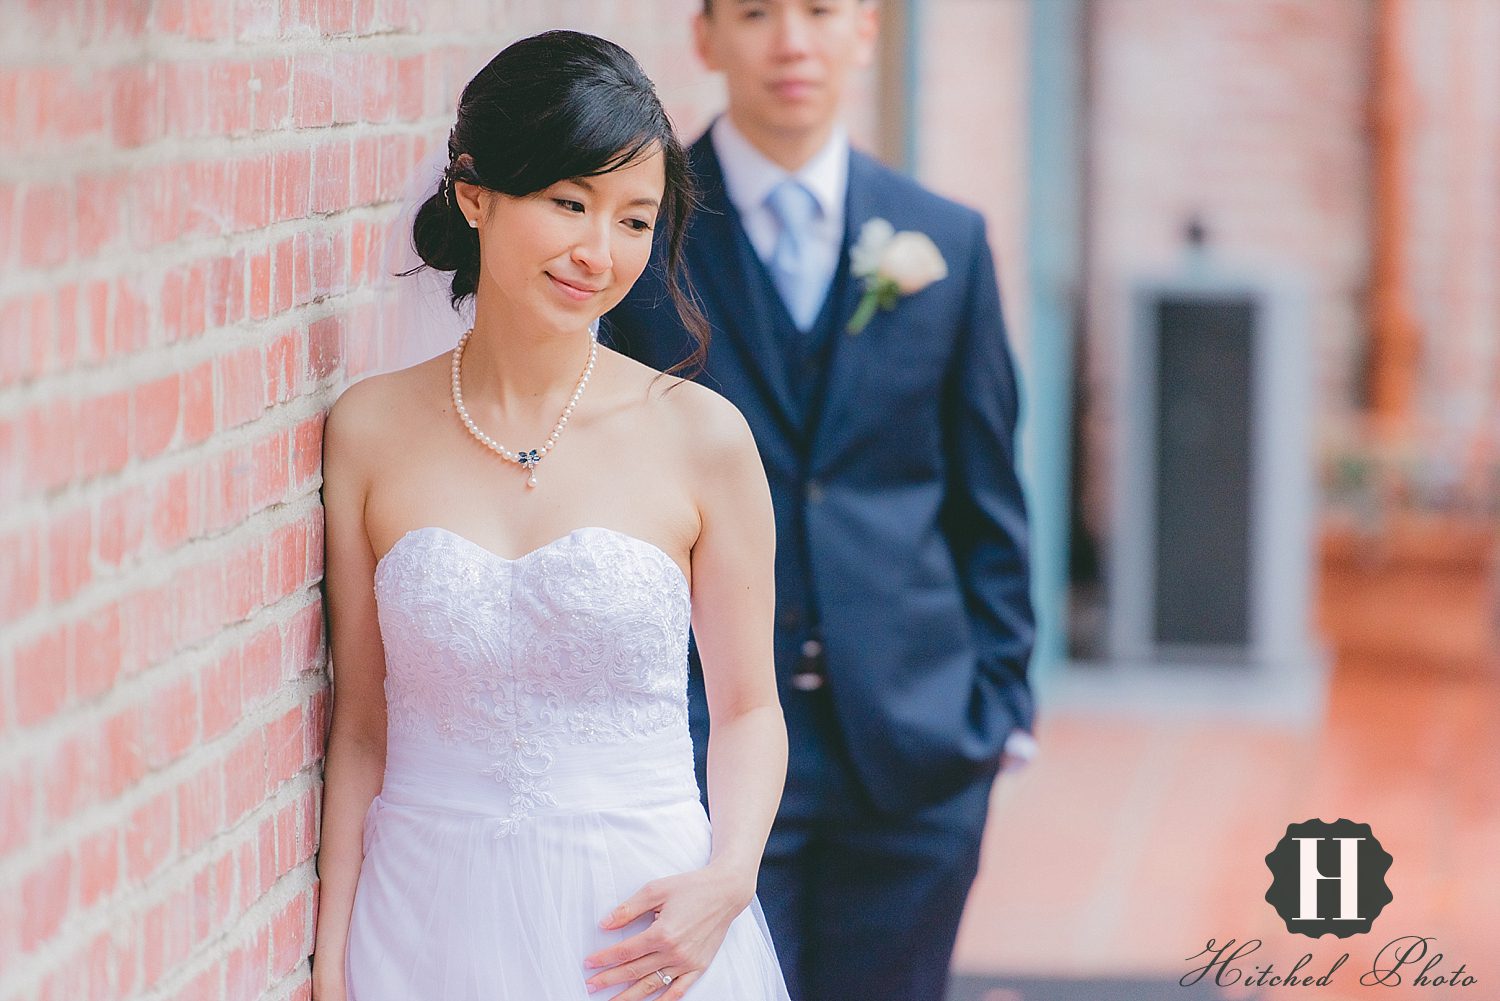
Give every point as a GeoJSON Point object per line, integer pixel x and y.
{"type": "Point", "coordinates": [814, 491]}
{"type": "Point", "coordinates": [807, 682]}
{"type": "Point", "coordinates": [808, 675]}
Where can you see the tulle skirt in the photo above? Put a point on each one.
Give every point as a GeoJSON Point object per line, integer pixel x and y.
{"type": "Point", "coordinates": [446, 910]}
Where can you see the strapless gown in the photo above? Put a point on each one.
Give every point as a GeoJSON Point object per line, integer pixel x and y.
{"type": "Point", "coordinates": [538, 770]}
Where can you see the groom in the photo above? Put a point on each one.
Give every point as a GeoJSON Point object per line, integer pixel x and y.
{"type": "Point", "coordinates": [903, 621]}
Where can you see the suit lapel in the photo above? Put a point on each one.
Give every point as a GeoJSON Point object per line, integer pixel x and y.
{"type": "Point", "coordinates": [849, 353]}
{"type": "Point", "coordinates": [724, 279]}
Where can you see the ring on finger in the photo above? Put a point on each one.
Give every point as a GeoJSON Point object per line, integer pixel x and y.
{"type": "Point", "coordinates": [666, 978]}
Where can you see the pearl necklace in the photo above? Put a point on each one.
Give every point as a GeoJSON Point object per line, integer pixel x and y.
{"type": "Point", "coordinates": [526, 458]}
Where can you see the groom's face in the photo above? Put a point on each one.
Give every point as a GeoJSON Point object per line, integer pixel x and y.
{"type": "Point", "coordinates": [787, 63]}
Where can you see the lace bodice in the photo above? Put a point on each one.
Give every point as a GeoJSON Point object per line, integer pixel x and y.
{"type": "Point", "coordinates": [502, 666]}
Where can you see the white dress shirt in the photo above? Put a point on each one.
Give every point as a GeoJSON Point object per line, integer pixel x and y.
{"type": "Point", "coordinates": [749, 176]}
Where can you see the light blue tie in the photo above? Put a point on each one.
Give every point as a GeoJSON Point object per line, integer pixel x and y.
{"type": "Point", "coordinates": [794, 208]}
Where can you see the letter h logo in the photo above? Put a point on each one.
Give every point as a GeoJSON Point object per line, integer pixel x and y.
{"type": "Point", "coordinates": [1312, 896]}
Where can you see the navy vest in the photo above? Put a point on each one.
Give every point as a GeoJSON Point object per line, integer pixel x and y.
{"type": "Point", "coordinates": [806, 355]}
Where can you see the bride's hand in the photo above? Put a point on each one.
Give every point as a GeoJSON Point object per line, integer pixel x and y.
{"type": "Point", "coordinates": [693, 913]}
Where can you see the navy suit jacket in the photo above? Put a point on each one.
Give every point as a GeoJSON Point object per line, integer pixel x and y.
{"type": "Point", "coordinates": [896, 495]}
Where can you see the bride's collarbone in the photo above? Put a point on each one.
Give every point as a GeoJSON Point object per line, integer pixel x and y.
{"type": "Point", "coordinates": [623, 456]}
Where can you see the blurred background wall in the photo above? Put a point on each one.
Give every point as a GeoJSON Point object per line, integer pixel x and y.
{"type": "Point", "coordinates": [1354, 144]}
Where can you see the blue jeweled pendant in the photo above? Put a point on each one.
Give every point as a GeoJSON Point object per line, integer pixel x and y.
{"type": "Point", "coordinates": [529, 458]}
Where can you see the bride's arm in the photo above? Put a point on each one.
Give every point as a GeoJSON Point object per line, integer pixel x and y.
{"type": "Point", "coordinates": [733, 585]}
{"type": "Point", "coordinates": [355, 761]}
{"type": "Point", "coordinates": [734, 600]}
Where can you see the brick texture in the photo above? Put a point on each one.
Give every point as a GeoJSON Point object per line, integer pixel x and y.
{"type": "Point", "coordinates": [1450, 248]}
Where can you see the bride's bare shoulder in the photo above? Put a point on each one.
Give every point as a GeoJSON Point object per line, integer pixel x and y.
{"type": "Point", "coordinates": [703, 422]}
{"type": "Point", "coordinates": [376, 409]}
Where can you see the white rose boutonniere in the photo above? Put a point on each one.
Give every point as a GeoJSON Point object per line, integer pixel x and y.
{"type": "Point", "coordinates": [892, 264]}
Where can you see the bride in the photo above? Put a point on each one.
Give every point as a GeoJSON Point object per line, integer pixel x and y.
{"type": "Point", "coordinates": [518, 534]}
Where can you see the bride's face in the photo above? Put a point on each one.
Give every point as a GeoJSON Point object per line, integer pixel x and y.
{"type": "Point", "coordinates": [571, 251]}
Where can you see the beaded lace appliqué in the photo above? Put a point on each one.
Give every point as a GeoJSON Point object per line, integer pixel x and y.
{"type": "Point", "coordinates": [582, 640]}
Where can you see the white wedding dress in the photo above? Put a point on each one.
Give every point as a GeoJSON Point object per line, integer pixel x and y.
{"type": "Point", "coordinates": [538, 771]}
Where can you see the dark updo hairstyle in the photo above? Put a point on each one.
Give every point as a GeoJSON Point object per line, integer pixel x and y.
{"type": "Point", "coordinates": [553, 106]}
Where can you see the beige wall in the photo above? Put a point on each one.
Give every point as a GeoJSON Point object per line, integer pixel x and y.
{"type": "Point", "coordinates": [971, 130]}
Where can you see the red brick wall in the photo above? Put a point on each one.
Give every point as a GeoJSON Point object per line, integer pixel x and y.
{"type": "Point", "coordinates": [192, 200]}
{"type": "Point", "coordinates": [1449, 196]}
